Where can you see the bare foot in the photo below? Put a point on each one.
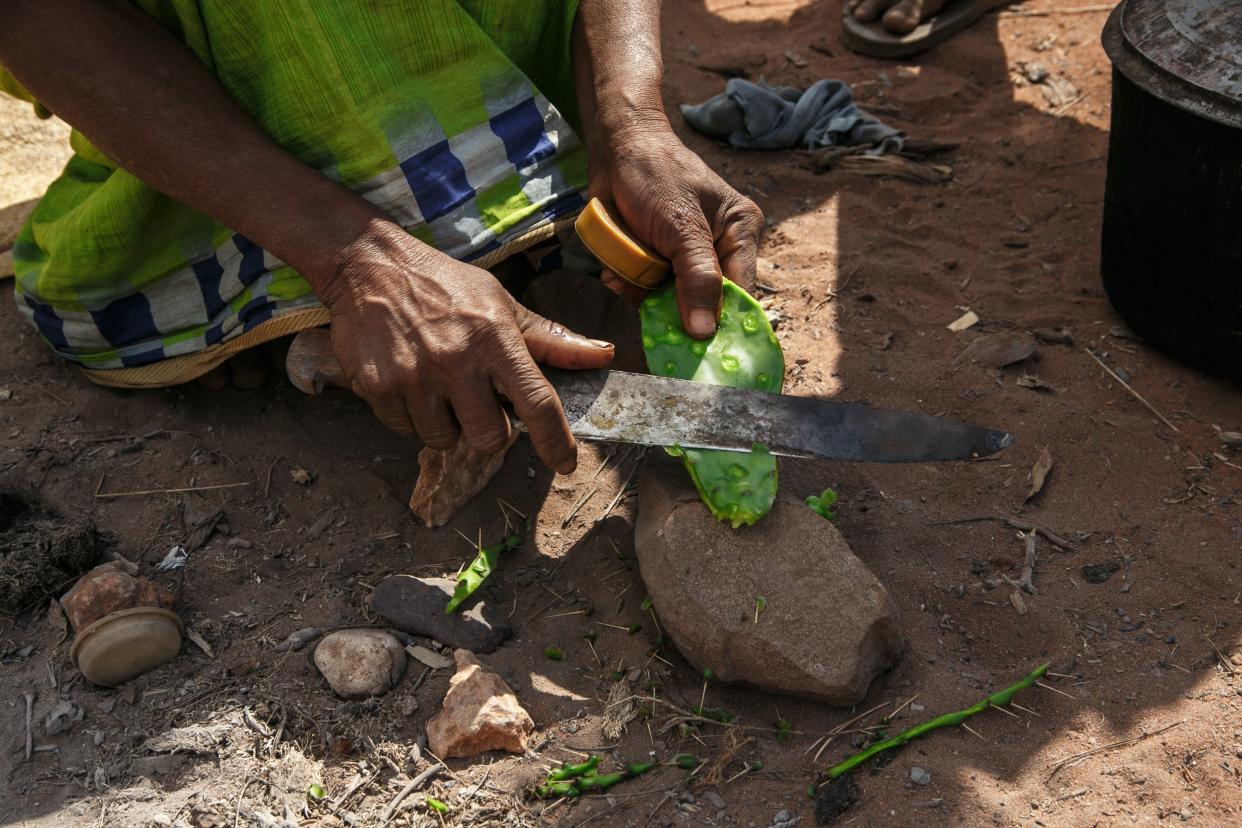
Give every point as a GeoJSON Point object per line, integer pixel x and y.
{"type": "Point", "coordinates": [898, 16]}
{"type": "Point", "coordinates": [246, 371]}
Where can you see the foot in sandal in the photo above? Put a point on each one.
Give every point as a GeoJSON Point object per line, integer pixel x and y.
{"type": "Point", "coordinates": [900, 28]}
{"type": "Point", "coordinates": [898, 16]}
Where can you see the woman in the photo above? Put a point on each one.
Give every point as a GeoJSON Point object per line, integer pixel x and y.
{"type": "Point", "coordinates": [245, 169]}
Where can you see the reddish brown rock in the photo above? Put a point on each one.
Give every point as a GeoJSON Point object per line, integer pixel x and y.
{"type": "Point", "coordinates": [108, 588]}
{"type": "Point", "coordinates": [826, 628]}
{"type": "Point", "coordinates": [448, 479]}
{"type": "Point", "coordinates": [480, 713]}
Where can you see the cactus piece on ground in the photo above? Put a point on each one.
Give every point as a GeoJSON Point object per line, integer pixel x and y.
{"type": "Point", "coordinates": [744, 353]}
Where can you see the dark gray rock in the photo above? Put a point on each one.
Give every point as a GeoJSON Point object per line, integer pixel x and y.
{"type": "Point", "coordinates": [416, 605]}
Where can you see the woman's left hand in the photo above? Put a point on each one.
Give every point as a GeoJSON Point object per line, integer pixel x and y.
{"type": "Point", "coordinates": [677, 205]}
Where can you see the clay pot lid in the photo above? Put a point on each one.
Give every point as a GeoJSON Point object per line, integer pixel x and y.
{"type": "Point", "coordinates": [125, 644]}
{"type": "Point", "coordinates": [1185, 52]}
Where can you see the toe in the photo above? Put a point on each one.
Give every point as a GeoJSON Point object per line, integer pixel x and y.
{"type": "Point", "coordinates": [866, 11]}
{"type": "Point", "coordinates": [217, 379]}
{"type": "Point", "coordinates": [248, 370]}
{"type": "Point", "coordinates": [903, 16]}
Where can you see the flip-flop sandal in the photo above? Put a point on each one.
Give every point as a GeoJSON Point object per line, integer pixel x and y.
{"type": "Point", "coordinates": [874, 40]}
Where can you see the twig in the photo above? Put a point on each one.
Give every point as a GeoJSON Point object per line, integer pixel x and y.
{"type": "Point", "coordinates": [1055, 690]}
{"type": "Point", "coordinates": [1028, 568]}
{"type": "Point", "coordinates": [1136, 394]}
{"type": "Point", "coordinates": [241, 796]}
{"type": "Point", "coordinates": [638, 462]}
{"type": "Point", "coordinates": [105, 495]}
{"type": "Point", "coordinates": [267, 487]}
{"type": "Point", "coordinates": [902, 706]}
{"type": "Point", "coordinates": [582, 501]}
{"type": "Point", "coordinates": [1098, 7]}
{"type": "Point", "coordinates": [839, 729]}
{"type": "Point", "coordinates": [410, 787]}
{"type": "Point", "coordinates": [1224, 662]}
{"type": "Point", "coordinates": [1121, 743]}
{"type": "Point", "coordinates": [1021, 525]}
{"type": "Point", "coordinates": [30, 697]}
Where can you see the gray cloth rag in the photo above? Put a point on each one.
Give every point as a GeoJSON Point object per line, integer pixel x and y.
{"type": "Point", "coordinates": [759, 116]}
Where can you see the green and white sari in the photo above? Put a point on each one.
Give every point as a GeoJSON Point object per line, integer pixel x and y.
{"type": "Point", "coordinates": [453, 116]}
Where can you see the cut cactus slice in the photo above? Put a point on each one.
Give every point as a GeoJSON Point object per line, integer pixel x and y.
{"type": "Point", "coordinates": [744, 353]}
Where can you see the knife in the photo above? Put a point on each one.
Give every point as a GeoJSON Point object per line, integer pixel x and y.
{"type": "Point", "coordinates": [617, 406]}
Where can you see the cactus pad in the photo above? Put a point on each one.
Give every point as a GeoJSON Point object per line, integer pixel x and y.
{"type": "Point", "coordinates": [743, 353]}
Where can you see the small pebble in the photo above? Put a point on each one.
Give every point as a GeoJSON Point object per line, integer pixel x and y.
{"type": "Point", "coordinates": [919, 776]}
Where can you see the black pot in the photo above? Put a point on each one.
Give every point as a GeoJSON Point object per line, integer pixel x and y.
{"type": "Point", "coordinates": [1172, 233]}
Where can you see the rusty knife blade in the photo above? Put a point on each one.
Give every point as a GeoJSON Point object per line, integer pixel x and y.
{"type": "Point", "coordinates": [616, 406]}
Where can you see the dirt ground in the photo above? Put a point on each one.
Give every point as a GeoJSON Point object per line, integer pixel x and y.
{"type": "Point", "coordinates": [868, 272]}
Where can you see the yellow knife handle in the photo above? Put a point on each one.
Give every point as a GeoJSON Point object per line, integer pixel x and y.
{"type": "Point", "coordinates": [617, 250]}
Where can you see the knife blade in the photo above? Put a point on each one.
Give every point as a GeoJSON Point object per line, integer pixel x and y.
{"type": "Point", "coordinates": [617, 406]}
{"type": "Point", "coordinates": [621, 407]}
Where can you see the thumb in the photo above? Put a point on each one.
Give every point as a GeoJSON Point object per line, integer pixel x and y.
{"type": "Point", "coordinates": [556, 345]}
{"type": "Point", "coordinates": [698, 278]}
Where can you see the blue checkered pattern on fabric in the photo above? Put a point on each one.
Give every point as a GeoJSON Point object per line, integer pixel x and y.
{"type": "Point", "coordinates": [126, 319]}
{"type": "Point", "coordinates": [208, 272]}
{"type": "Point", "coordinates": [433, 186]}
{"type": "Point", "coordinates": [521, 129]}
{"type": "Point", "coordinates": [438, 180]}
{"type": "Point", "coordinates": [51, 327]}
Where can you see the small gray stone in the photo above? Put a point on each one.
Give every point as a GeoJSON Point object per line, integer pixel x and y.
{"type": "Point", "coordinates": [360, 663]}
{"type": "Point", "coordinates": [783, 818]}
{"type": "Point", "coordinates": [828, 626]}
{"type": "Point", "coordinates": [416, 605]}
{"type": "Point", "coordinates": [919, 776]}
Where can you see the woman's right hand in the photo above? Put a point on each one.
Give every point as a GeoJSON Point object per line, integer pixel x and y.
{"type": "Point", "coordinates": [430, 342]}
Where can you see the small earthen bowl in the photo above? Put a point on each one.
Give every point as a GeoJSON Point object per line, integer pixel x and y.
{"type": "Point", "coordinates": [126, 644]}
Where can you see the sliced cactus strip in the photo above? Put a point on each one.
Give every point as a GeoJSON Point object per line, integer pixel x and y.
{"type": "Point", "coordinates": [744, 353]}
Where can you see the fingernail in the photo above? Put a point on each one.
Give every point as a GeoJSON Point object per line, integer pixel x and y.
{"type": "Point", "coordinates": [599, 343]}
{"type": "Point", "coordinates": [702, 322]}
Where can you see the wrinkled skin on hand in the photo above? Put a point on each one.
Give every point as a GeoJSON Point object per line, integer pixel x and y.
{"type": "Point", "coordinates": [429, 343]}
{"type": "Point", "coordinates": [671, 200]}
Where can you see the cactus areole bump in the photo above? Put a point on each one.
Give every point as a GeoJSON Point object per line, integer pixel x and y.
{"type": "Point", "coordinates": [738, 487]}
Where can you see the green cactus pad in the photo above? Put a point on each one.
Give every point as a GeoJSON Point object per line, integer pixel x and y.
{"type": "Point", "coordinates": [743, 353]}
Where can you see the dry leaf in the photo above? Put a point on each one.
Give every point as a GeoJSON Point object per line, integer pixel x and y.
{"type": "Point", "coordinates": [1015, 598]}
{"type": "Point", "coordinates": [1055, 335]}
{"type": "Point", "coordinates": [998, 350]}
{"type": "Point", "coordinates": [963, 322]}
{"type": "Point", "coordinates": [429, 657]}
{"type": "Point", "coordinates": [199, 642]}
{"type": "Point", "coordinates": [1034, 383]}
{"type": "Point", "coordinates": [1230, 439]}
{"type": "Point", "coordinates": [1039, 472]}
